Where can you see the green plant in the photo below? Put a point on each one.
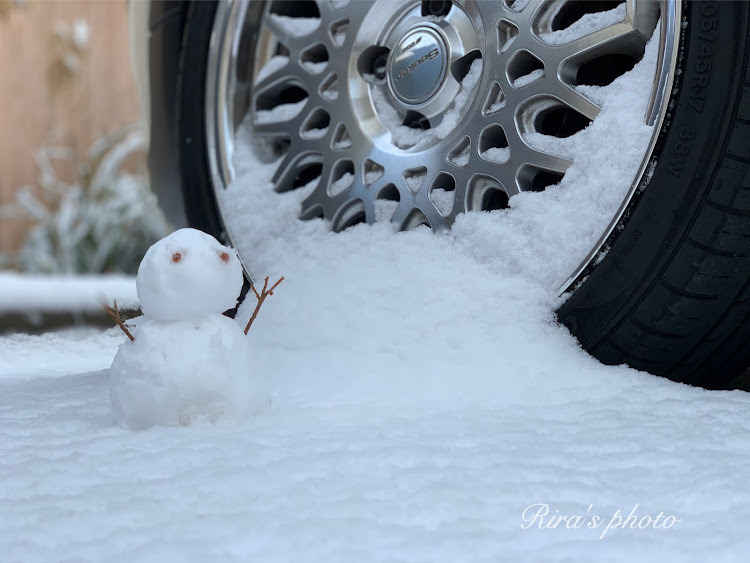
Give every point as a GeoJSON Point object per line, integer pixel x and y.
{"type": "Point", "coordinates": [102, 222]}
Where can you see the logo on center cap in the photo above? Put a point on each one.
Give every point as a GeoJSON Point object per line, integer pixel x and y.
{"type": "Point", "coordinates": [419, 67]}
{"type": "Point", "coordinates": [412, 44]}
{"type": "Point", "coordinates": [413, 66]}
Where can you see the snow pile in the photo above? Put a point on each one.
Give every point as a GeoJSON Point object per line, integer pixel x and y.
{"type": "Point", "coordinates": [415, 179]}
{"type": "Point", "coordinates": [497, 154]}
{"type": "Point", "coordinates": [462, 157]}
{"type": "Point", "coordinates": [443, 200]}
{"type": "Point", "coordinates": [295, 27]}
{"type": "Point", "coordinates": [274, 64]}
{"type": "Point", "coordinates": [342, 184]}
{"type": "Point", "coordinates": [187, 362]}
{"type": "Point", "coordinates": [423, 400]}
{"type": "Point", "coordinates": [407, 425]}
{"type": "Point", "coordinates": [280, 113]}
{"type": "Point", "coordinates": [586, 25]}
{"type": "Point", "coordinates": [468, 85]}
{"type": "Point", "coordinates": [526, 79]}
{"type": "Point", "coordinates": [518, 5]}
{"type": "Point", "coordinates": [539, 241]}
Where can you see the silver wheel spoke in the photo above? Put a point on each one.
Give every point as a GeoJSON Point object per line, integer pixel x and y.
{"type": "Point", "coordinates": [417, 111]}
{"type": "Point", "coordinates": [283, 76]}
{"type": "Point", "coordinates": [535, 75]}
{"type": "Point", "coordinates": [283, 28]}
{"type": "Point", "coordinates": [597, 40]}
{"type": "Point", "coordinates": [275, 129]}
{"type": "Point", "coordinates": [548, 162]}
{"type": "Point", "coordinates": [577, 101]}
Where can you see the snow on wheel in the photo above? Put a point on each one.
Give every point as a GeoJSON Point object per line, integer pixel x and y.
{"type": "Point", "coordinates": [608, 138]}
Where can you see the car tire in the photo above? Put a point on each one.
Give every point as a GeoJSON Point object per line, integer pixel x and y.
{"type": "Point", "coordinates": [671, 295]}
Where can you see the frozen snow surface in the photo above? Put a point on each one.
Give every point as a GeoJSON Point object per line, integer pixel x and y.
{"type": "Point", "coordinates": [188, 275]}
{"type": "Point", "coordinates": [528, 78]}
{"type": "Point", "coordinates": [280, 113]}
{"type": "Point", "coordinates": [497, 154]}
{"type": "Point", "coordinates": [274, 63]}
{"type": "Point", "coordinates": [351, 463]}
{"type": "Point", "coordinates": [586, 25]}
{"type": "Point", "coordinates": [341, 184]}
{"type": "Point", "coordinates": [442, 200]}
{"type": "Point", "coordinates": [295, 27]}
{"type": "Point", "coordinates": [422, 400]}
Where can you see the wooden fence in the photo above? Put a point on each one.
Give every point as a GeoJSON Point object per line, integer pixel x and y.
{"type": "Point", "coordinates": [65, 80]}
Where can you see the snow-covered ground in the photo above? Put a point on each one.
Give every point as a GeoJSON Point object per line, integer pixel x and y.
{"type": "Point", "coordinates": [417, 435]}
{"type": "Point", "coordinates": [425, 407]}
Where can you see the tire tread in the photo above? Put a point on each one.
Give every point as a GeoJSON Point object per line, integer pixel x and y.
{"type": "Point", "coordinates": [720, 344]}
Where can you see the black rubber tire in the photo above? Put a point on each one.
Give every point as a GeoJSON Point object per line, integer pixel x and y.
{"type": "Point", "coordinates": [200, 204]}
{"type": "Point", "coordinates": [672, 294]}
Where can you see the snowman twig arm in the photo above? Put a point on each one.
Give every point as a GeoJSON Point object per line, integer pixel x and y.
{"type": "Point", "coordinates": [265, 292]}
{"type": "Point", "coordinates": [115, 314]}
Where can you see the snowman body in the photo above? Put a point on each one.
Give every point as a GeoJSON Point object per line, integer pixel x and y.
{"type": "Point", "coordinates": [188, 362]}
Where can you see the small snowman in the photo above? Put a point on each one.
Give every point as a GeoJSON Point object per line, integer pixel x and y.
{"type": "Point", "coordinates": [185, 361]}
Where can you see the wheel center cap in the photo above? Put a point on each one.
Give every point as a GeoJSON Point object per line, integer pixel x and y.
{"type": "Point", "coordinates": [418, 66]}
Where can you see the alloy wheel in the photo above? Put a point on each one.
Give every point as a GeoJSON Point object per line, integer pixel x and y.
{"type": "Point", "coordinates": [415, 111]}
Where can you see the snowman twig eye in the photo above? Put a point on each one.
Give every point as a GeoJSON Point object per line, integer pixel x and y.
{"type": "Point", "coordinates": [265, 292]}
{"type": "Point", "coordinates": [176, 257]}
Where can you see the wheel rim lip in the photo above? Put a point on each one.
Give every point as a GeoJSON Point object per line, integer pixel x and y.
{"type": "Point", "coordinates": [219, 119]}
{"type": "Point", "coordinates": [219, 116]}
{"type": "Point", "coordinates": [669, 39]}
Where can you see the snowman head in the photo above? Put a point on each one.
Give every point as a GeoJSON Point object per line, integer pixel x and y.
{"type": "Point", "coordinates": [188, 275]}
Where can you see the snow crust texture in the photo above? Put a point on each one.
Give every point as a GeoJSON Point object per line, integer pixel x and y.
{"type": "Point", "coordinates": [321, 477]}
{"type": "Point", "coordinates": [586, 25]}
{"type": "Point", "coordinates": [423, 399]}
{"type": "Point", "coordinates": [188, 275]}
